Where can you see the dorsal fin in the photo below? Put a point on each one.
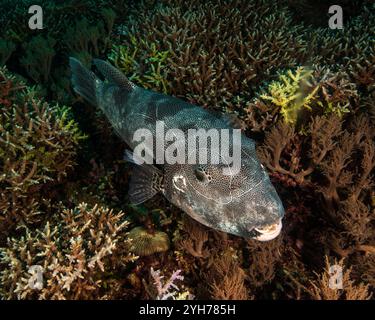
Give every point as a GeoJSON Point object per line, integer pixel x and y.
{"type": "Point", "coordinates": [113, 75]}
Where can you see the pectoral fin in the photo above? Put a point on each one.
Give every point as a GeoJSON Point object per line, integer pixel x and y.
{"type": "Point", "coordinates": [146, 180]}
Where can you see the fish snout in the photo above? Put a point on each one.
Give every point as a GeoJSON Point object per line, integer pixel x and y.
{"type": "Point", "coordinates": [271, 227]}
{"type": "Point", "coordinates": [268, 232]}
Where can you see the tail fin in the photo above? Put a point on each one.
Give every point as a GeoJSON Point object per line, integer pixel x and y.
{"type": "Point", "coordinates": [84, 81]}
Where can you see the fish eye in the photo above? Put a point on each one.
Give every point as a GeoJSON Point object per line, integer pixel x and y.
{"type": "Point", "coordinates": [202, 175]}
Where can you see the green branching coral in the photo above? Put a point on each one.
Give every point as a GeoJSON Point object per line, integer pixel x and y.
{"type": "Point", "coordinates": [37, 60]}
{"type": "Point", "coordinates": [79, 28]}
{"type": "Point", "coordinates": [6, 50]}
{"type": "Point", "coordinates": [221, 64]}
{"type": "Point", "coordinates": [215, 49]}
{"type": "Point", "coordinates": [38, 144]}
{"type": "Point", "coordinates": [84, 37]}
{"type": "Point", "coordinates": [350, 46]}
{"type": "Point", "coordinates": [77, 252]}
{"type": "Point", "coordinates": [144, 63]}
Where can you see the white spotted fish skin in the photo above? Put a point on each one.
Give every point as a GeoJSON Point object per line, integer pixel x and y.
{"type": "Point", "coordinates": [245, 204]}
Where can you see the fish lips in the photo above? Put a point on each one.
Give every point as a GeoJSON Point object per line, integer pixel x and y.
{"type": "Point", "coordinates": [268, 232]}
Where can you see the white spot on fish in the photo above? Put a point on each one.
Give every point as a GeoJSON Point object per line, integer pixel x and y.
{"type": "Point", "coordinates": [179, 182]}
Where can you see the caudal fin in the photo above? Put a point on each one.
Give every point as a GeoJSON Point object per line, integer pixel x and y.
{"type": "Point", "coordinates": [84, 81]}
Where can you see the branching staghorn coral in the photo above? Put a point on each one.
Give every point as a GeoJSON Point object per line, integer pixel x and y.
{"type": "Point", "coordinates": [218, 64]}
{"type": "Point", "coordinates": [349, 47]}
{"type": "Point", "coordinates": [216, 52]}
{"type": "Point", "coordinates": [37, 60]}
{"type": "Point", "coordinates": [38, 144]}
{"type": "Point", "coordinates": [314, 12]}
{"type": "Point", "coordinates": [78, 251]}
{"type": "Point", "coordinates": [84, 37]}
{"type": "Point", "coordinates": [143, 63]}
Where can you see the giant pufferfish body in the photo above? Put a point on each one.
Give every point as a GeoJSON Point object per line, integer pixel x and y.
{"type": "Point", "coordinates": [244, 204]}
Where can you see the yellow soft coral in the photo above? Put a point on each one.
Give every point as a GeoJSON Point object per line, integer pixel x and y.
{"type": "Point", "coordinates": [289, 93]}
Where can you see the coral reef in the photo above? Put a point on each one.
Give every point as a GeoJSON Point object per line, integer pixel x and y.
{"type": "Point", "coordinates": [215, 50]}
{"type": "Point", "coordinates": [304, 92]}
{"type": "Point", "coordinates": [38, 145]}
{"type": "Point", "coordinates": [38, 59]}
{"type": "Point", "coordinates": [332, 157]}
{"type": "Point", "coordinates": [79, 28]}
{"type": "Point", "coordinates": [320, 289]}
{"type": "Point", "coordinates": [265, 258]}
{"type": "Point", "coordinates": [227, 278]}
{"type": "Point", "coordinates": [299, 93]}
{"type": "Point", "coordinates": [77, 251]}
{"type": "Point", "coordinates": [151, 72]}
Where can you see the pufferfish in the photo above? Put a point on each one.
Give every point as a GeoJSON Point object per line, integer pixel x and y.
{"type": "Point", "coordinates": [244, 203]}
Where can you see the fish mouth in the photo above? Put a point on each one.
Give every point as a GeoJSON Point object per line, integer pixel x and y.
{"type": "Point", "coordinates": [269, 232]}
